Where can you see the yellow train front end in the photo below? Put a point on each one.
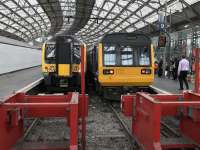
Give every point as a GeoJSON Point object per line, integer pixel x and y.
{"type": "Point", "coordinates": [125, 63]}
{"type": "Point", "coordinates": [61, 62]}
{"type": "Point", "coordinates": [125, 76]}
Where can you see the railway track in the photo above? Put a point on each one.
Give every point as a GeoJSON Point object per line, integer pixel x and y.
{"type": "Point", "coordinates": [104, 139]}
{"type": "Point", "coordinates": [132, 140]}
{"type": "Point", "coordinates": [114, 105]}
{"type": "Point", "coordinates": [107, 128]}
{"type": "Point", "coordinates": [168, 133]}
{"type": "Point", "coordinates": [105, 131]}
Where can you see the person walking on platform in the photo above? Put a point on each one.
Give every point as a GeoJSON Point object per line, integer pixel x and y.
{"type": "Point", "coordinates": [183, 69]}
{"type": "Point", "coordinates": [175, 68]}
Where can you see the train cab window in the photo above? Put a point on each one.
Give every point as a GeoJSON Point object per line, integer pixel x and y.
{"type": "Point", "coordinates": [126, 56]}
{"type": "Point", "coordinates": [109, 55]}
{"type": "Point", "coordinates": [144, 55]}
{"type": "Point", "coordinates": [50, 53]}
{"type": "Point", "coordinates": [76, 54]}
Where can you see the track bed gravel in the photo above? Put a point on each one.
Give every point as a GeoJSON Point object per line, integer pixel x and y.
{"type": "Point", "coordinates": [49, 130]}
{"type": "Point", "coordinates": [103, 129]}
{"type": "Point", "coordinates": [104, 132]}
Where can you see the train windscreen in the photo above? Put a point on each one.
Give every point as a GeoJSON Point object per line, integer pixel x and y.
{"type": "Point", "coordinates": [50, 50]}
{"type": "Point", "coordinates": [126, 55]}
{"type": "Point", "coordinates": [76, 53]}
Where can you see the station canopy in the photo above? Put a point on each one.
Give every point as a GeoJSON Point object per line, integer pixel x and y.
{"type": "Point", "coordinates": [88, 20]}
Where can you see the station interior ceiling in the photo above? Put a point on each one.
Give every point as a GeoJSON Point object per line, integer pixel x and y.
{"type": "Point", "coordinates": [89, 20]}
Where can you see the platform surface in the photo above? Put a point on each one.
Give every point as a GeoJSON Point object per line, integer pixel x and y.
{"type": "Point", "coordinates": [17, 80]}
{"type": "Point", "coordinates": [170, 85]}
{"type": "Point", "coordinates": [14, 81]}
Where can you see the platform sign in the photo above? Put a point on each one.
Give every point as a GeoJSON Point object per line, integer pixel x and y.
{"type": "Point", "coordinates": [161, 21]}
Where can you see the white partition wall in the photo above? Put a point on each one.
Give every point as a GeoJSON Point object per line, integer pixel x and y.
{"type": "Point", "coordinates": [14, 57]}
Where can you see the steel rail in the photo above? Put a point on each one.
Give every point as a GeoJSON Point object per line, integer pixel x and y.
{"type": "Point", "coordinates": [134, 143]}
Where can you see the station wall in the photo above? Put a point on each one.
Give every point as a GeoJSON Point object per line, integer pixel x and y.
{"type": "Point", "coordinates": [14, 57]}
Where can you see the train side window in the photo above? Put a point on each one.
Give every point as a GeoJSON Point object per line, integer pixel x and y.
{"type": "Point", "coordinates": [109, 55]}
{"type": "Point", "coordinates": [144, 54]}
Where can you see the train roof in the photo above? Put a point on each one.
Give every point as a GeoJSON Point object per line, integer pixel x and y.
{"type": "Point", "coordinates": [130, 38]}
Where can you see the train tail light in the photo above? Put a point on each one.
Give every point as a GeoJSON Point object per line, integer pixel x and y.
{"type": "Point", "coordinates": [108, 71]}
{"type": "Point", "coordinates": [146, 71]}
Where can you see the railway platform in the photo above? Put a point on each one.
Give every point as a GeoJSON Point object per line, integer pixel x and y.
{"type": "Point", "coordinates": [12, 82]}
{"type": "Point", "coordinates": [169, 85]}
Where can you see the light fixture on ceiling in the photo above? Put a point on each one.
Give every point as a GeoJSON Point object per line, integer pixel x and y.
{"type": "Point", "coordinates": [186, 26]}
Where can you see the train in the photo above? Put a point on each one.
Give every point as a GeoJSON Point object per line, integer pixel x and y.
{"type": "Point", "coordinates": [61, 62]}
{"type": "Point", "coordinates": [122, 62]}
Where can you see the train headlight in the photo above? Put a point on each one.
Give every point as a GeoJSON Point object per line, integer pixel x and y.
{"type": "Point", "coordinates": [46, 68]}
{"type": "Point", "coordinates": [51, 69]}
{"type": "Point", "coordinates": [111, 71]}
{"type": "Point", "coordinates": [108, 71]}
{"type": "Point", "coordinates": [146, 71]}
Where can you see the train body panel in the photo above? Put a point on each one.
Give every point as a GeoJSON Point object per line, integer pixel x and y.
{"type": "Point", "coordinates": [64, 70]}
{"type": "Point", "coordinates": [125, 77]}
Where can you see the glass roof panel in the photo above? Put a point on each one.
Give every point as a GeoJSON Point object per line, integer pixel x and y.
{"type": "Point", "coordinates": [130, 29]}
{"type": "Point", "coordinates": [33, 2]}
{"type": "Point", "coordinates": [2, 26]}
{"type": "Point", "coordinates": [10, 4]}
{"type": "Point", "coordinates": [176, 6]}
{"type": "Point", "coordinates": [34, 19]}
{"type": "Point", "coordinates": [144, 11]}
{"type": "Point", "coordinates": [123, 2]}
{"type": "Point", "coordinates": [152, 18]}
{"type": "Point", "coordinates": [140, 24]}
{"type": "Point", "coordinates": [103, 14]}
{"type": "Point", "coordinates": [137, 14]}
{"type": "Point", "coordinates": [108, 6]}
{"type": "Point", "coordinates": [190, 2]}
{"type": "Point", "coordinates": [99, 3]}
{"type": "Point", "coordinates": [26, 16]}
{"type": "Point", "coordinates": [117, 9]}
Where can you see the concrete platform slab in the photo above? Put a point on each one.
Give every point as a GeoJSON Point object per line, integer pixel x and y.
{"type": "Point", "coordinates": [14, 81]}
{"type": "Point", "coordinates": [169, 85]}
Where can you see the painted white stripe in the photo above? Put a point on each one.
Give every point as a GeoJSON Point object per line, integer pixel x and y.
{"type": "Point", "coordinates": [160, 90]}
{"type": "Point", "coordinates": [30, 86]}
